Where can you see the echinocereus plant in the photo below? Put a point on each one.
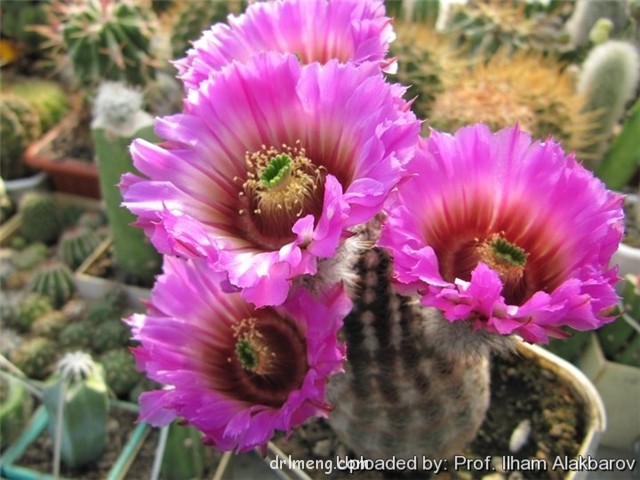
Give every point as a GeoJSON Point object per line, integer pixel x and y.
{"type": "Point", "coordinates": [269, 166]}
{"type": "Point", "coordinates": [235, 372]}
{"type": "Point", "coordinates": [313, 30]}
{"type": "Point", "coordinates": [278, 162]}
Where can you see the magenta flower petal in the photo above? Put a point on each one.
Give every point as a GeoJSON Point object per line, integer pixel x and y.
{"type": "Point", "coordinates": [315, 30]}
{"type": "Point", "coordinates": [270, 166]}
{"type": "Point", "coordinates": [506, 232]}
{"type": "Point", "coordinates": [235, 372]}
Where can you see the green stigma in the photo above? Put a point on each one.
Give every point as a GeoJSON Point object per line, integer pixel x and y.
{"type": "Point", "coordinates": [276, 171]}
{"type": "Point", "coordinates": [508, 252]}
{"type": "Point", "coordinates": [247, 356]}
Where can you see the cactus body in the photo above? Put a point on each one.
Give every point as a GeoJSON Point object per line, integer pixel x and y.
{"type": "Point", "coordinates": [32, 306]}
{"type": "Point", "coordinates": [609, 79]}
{"type": "Point", "coordinates": [76, 245]}
{"type": "Point", "coordinates": [54, 280]}
{"type": "Point", "coordinates": [183, 454]}
{"type": "Point", "coordinates": [84, 416]}
{"type": "Point", "coordinates": [620, 340]}
{"type": "Point", "coordinates": [114, 128]}
{"type": "Point", "coordinates": [19, 126]}
{"type": "Point", "coordinates": [106, 39]}
{"type": "Point", "coordinates": [109, 335]}
{"type": "Point", "coordinates": [586, 14]}
{"type": "Point", "coordinates": [47, 98]}
{"type": "Point", "coordinates": [30, 257]}
{"type": "Point", "coordinates": [40, 222]}
{"type": "Point", "coordinates": [405, 391]}
{"type": "Point", "coordinates": [529, 89]}
{"type": "Point", "coordinates": [35, 357]}
{"type": "Point", "coordinates": [190, 19]}
{"type": "Point", "coordinates": [50, 324]}
{"type": "Point", "coordinates": [76, 336]}
{"type": "Point", "coordinates": [120, 371]}
{"type": "Point", "coordinates": [15, 410]}
{"type": "Point", "coordinates": [623, 156]}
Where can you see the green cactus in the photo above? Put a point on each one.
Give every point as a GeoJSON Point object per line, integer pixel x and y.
{"type": "Point", "coordinates": [109, 335]}
{"type": "Point", "coordinates": [117, 121]}
{"type": "Point", "coordinates": [76, 336]}
{"type": "Point", "coordinates": [101, 312]}
{"type": "Point", "coordinates": [623, 156]}
{"type": "Point", "coordinates": [39, 214]}
{"type": "Point", "coordinates": [105, 40]}
{"type": "Point", "coordinates": [19, 126]}
{"type": "Point", "coordinates": [31, 307]}
{"type": "Point", "coordinates": [47, 98]}
{"type": "Point", "coordinates": [29, 257]}
{"type": "Point", "coordinates": [76, 245]}
{"type": "Point", "coordinates": [120, 371]}
{"type": "Point", "coordinates": [484, 27]}
{"type": "Point", "coordinates": [50, 324]}
{"type": "Point", "coordinates": [423, 56]}
{"type": "Point", "coordinates": [586, 13]}
{"type": "Point", "coordinates": [69, 215]}
{"type": "Point", "coordinates": [609, 79]}
{"type": "Point", "coordinates": [92, 220]}
{"type": "Point", "coordinates": [191, 18]}
{"type": "Point", "coordinates": [16, 405]}
{"type": "Point", "coordinates": [620, 340]}
{"type": "Point", "coordinates": [77, 401]}
{"type": "Point", "coordinates": [184, 453]}
{"type": "Point", "coordinates": [54, 280]}
{"type": "Point", "coordinates": [35, 357]}
{"type": "Point", "coordinates": [16, 20]}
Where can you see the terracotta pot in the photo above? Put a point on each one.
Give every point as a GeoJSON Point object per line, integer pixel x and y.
{"type": "Point", "coordinates": [69, 174]}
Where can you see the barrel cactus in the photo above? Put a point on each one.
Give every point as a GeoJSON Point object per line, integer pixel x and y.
{"type": "Point", "coordinates": [31, 307]}
{"type": "Point", "coordinates": [76, 336]}
{"type": "Point", "coordinates": [47, 98]}
{"type": "Point", "coordinates": [120, 371]}
{"type": "Point", "coordinates": [529, 89]}
{"type": "Point", "coordinates": [188, 20]}
{"type": "Point", "coordinates": [19, 126]}
{"type": "Point", "coordinates": [50, 324]}
{"type": "Point", "coordinates": [36, 357]}
{"type": "Point", "coordinates": [39, 214]}
{"type": "Point", "coordinates": [76, 245]}
{"type": "Point", "coordinates": [30, 256]}
{"type": "Point", "coordinates": [104, 39]}
{"type": "Point", "coordinates": [54, 280]}
{"type": "Point", "coordinates": [109, 335]}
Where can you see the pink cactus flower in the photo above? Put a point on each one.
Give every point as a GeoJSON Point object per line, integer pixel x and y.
{"type": "Point", "coordinates": [270, 166]}
{"type": "Point", "coordinates": [235, 372]}
{"type": "Point", "coordinates": [505, 232]}
{"type": "Point", "coordinates": [315, 30]}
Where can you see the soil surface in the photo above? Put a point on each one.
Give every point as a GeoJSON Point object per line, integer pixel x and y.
{"type": "Point", "coordinates": [521, 390]}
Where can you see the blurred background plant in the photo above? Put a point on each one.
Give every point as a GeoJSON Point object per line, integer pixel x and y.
{"type": "Point", "coordinates": [563, 69]}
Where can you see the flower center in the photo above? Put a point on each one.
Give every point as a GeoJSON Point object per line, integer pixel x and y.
{"type": "Point", "coordinates": [281, 186]}
{"type": "Point", "coordinates": [251, 351]}
{"type": "Point", "coordinates": [506, 259]}
{"type": "Point", "coordinates": [268, 360]}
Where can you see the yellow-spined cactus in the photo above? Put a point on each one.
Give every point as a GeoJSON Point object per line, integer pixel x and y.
{"type": "Point", "coordinates": [527, 88]}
